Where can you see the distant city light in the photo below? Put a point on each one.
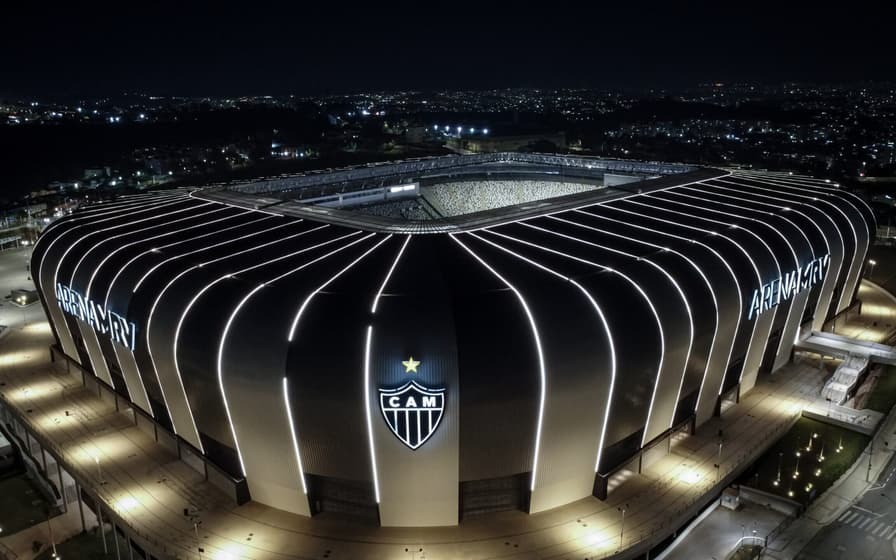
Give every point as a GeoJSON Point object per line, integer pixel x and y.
{"type": "Point", "coordinates": [485, 131]}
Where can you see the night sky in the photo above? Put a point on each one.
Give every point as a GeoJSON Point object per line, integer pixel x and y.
{"type": "Point", "coordinates": [257, 47]}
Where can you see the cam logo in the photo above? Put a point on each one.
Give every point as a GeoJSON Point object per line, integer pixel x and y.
{"type": "Point", "coordinates": [412, 411]}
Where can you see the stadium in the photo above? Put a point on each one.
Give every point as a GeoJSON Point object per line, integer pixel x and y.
{"type": "Point", "coordinates": [414, 343]}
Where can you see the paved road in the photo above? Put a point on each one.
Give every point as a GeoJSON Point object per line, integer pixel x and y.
{"type": "Point", "coordinates": [866, 530]}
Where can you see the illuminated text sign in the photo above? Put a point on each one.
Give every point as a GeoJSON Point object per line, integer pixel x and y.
{"type": "Point", "coordinates": [99, 318]}
{"type": "Point", "coordinates": [786, 286]}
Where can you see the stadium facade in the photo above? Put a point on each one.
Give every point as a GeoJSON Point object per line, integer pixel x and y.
{"type": "Point", "coordinates": [445, 357]}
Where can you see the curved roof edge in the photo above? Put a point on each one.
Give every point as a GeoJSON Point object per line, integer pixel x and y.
{"type": "Point", "coordinates": [453, 224]}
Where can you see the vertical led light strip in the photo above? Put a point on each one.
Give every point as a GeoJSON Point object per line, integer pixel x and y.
{"type": "Point", "coordinates": [727, 265]}
{"type": "Point", "coordinates": [699, 271]}
{"type": "Point", "coordinates": [855, 260]}
{"type": "Point", "coordinates": [379, 292]}
{"type": "Point", "coordinates": [295, 321]}
{"type": "Point", "coordinates": [792, 205]}
{"type": "Point", "coordinates": [782, 216]}
{"type": "Point", "coordinates": [372, 447]}
{"type": "Point", "coordinates": [635, 285]}
{"type": "Point", "coordinates": [604, 323]}
{"type": "Point", "coordinates": [243, 302]}
{"type": "Point", "coordinates": [668, 276]}
{"type": "Point", "coordinates": [220, 371]}
{"type": "Point", "coordinates": [541, 367]}
{"type": "Point", "coordinates": [376, 299]}
{"type": "Point", "coordinates": [292, 432]}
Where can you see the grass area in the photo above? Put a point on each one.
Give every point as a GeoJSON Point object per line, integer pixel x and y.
{"type": "Point", "coordinates": [21, 504]}
{"type": "Point", "coordinates": [86, 546]}
{"type": "Point", "coordinates": [883, 396]}
{"type": "Point", "coordinates": [840, 448]}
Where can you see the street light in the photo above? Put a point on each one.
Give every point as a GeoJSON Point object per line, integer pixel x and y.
{"type": "Point", "coordinates": [622, 509]}
{"type": "Point", "coordinates": [872, 262]}
{"type": "Point", "coordinates": [196, 524]}
{"type": "Point", "coordinates": [21, 301]}
{"type": "Point", "coordinates": [99, 470]}
{"type": "Point", "coordinates": [780, 464]}
{"type": "Point", "coordinates": [52, 540]}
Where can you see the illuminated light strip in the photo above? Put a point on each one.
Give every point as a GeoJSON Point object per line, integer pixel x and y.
{"type": "Point", "coordinates": [126, 265]}
{"type": "Point", "coordinates": [840, 194]}
{"type": "Point", "coordinates": [295, 321]}
{"type": "Point", "coordinates": [304, 305]}
{"type": "Point", "coordinates": [856, 262]}
{"type": "Point", "coordinates": [668, 276]}
{"type": "Point", "coordinates": [214, 246]}
{"type": "Point", "coordinates": [62, 258]}
{"type": "Point", "coordinates": [220, 372]}
{"type": "Point", "coordinates": [183, 315]}
{"type": "Point", "coordinates": [105, 361]}
{"type": "Point", "coordinates": [725, 237]}
{"type": "Point", "coordinates": [778, 206]}
{"type": "Point", "coordinates": [541, 367]}
{"type": "Point", "coordinates": [150, 251]}
{"type": "Point", "coordinates": [220, 368]}
{"type": "Point", "coordinates": [95, 215]}
{"type": "Point", "coordinates": [165, 289]}
{"type": "Point", "coordinates": [125, 234]}
{"type": "Point", "coordinates": [604, 323]}
{"type": "Point", "coordinates": [106, 230]}
{"type": "Point", "coordinates": [740, 298]}
{"type": "Point", "coordinates": [371, 446]}
{"type": "Point", "coordinates": [292, 432]}
{"type": "Point", "coordinates": [643, 294]}
{"type": "Point", "coordinates": [719, 222]}
{"type": "Point", "coordinates": [748, 230]}
{"type": "Point", "coordinates": [379, 292]}
{"type": "Point", "coordinates": [782, 216]}
{"type": "Point", "coordinates": [758, 275]}
{"type": "Point", "coordinates": [117, 215]}
{"type": "Point", "coordinates": [818, 187]}
{"type": "Point", "coordinates": [627, 279]}
{"type": "Point", "coordinates": [138, 241]}
{"type": "Point", "coordinates": [82, 215]}
{"type": "Point", "coordinates": [712, 293]}
{"type": "Point", "coordinates": [788, 199]}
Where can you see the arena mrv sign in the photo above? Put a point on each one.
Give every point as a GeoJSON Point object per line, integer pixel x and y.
{"type": "Point", "coordinates": [785, 287]}
{"type": "Point", "coordinates": [99, 318]}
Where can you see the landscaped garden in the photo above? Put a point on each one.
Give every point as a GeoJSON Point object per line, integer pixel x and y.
{"type": "Point", "coordinates": [807, 460]}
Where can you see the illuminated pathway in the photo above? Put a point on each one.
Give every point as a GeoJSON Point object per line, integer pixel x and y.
{"type": "Point", "coordinates": [147, 488]}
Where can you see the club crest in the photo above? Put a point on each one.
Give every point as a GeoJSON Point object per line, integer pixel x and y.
{"type": "Point", "coordinates": [412, 411]}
